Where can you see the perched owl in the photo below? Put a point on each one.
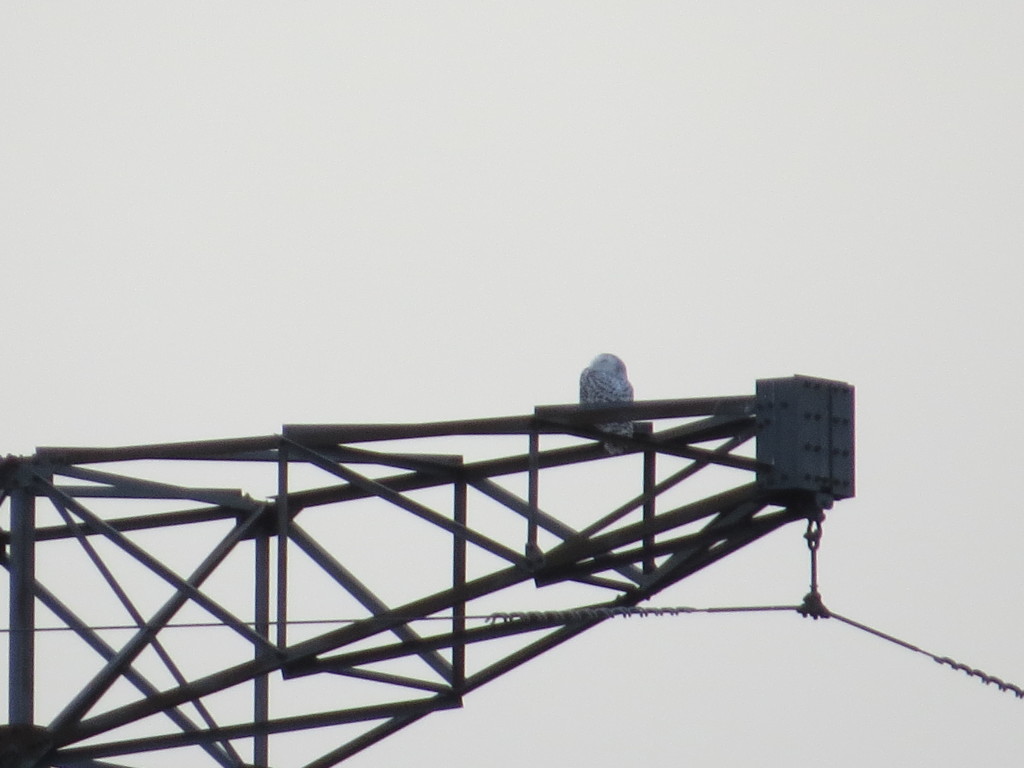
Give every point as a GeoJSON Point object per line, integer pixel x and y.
{"type": "Point", "coordinates": [604, 383]}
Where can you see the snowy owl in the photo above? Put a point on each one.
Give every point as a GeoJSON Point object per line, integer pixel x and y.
{"type": "Point", "coordinates": [604, 383]}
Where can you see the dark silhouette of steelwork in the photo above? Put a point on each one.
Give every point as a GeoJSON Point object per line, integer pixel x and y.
{"type": "Point", "coordinates": [344, 594]}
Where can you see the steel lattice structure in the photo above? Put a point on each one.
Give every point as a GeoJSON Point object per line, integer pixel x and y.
{"type": "Point", "coordinates": [340, 589]}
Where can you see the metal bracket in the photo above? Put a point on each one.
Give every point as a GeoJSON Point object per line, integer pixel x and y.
{"type": "Point", "coordinates": [805, 438]}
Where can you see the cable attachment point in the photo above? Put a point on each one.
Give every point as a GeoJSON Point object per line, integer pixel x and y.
{"type": "Point", "coordinates": [813, 533]}
{"type": "Point", "coordinates": [813, 605]}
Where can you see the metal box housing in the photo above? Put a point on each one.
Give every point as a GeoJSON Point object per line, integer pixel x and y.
{"type": "Point", "coordinates": [805, 437]}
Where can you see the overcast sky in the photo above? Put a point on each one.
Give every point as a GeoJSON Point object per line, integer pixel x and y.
{"type": "Point", "coordinates": [218, 217]}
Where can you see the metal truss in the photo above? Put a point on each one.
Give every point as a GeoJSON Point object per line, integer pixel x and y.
{"type": "Point", "coordinates": [347, 586]}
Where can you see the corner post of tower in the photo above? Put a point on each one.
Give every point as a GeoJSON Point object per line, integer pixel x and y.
{"type": "Point", "coordinates": [21, 563]}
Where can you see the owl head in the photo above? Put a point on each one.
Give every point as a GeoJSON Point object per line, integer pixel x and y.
{"type": "Point", "coordinates": [608, 363]}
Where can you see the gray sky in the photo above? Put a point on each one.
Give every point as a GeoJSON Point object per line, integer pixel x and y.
{"type": "Point", "coordinates": [219, 217]}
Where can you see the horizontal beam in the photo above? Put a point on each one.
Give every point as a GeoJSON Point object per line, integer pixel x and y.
{"type": "Point", "coordinates": [544, 419]}
{"type": "Point", "coordinates": [142, 522]}
{"type": "Point", "coordinates": [319, 435]}
{"type": "Point", "coordinates": [737, 405]}
{"type": "Point", "coordinates": [195, 449]}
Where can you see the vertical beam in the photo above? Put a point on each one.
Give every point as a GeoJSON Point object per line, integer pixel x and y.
{"type": "Point", "coordinates": [22, 567]}
{"type": "Point", "coordinates": [261, 684]}
{"type": "Point", "coordinates": [459, 588]}
{"type": "Point", "coordinates": [533, 496]}
{"type": "Point", "coordinates": [650, 481]}
{"type": "Point", "coordinates": [282, 545]}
